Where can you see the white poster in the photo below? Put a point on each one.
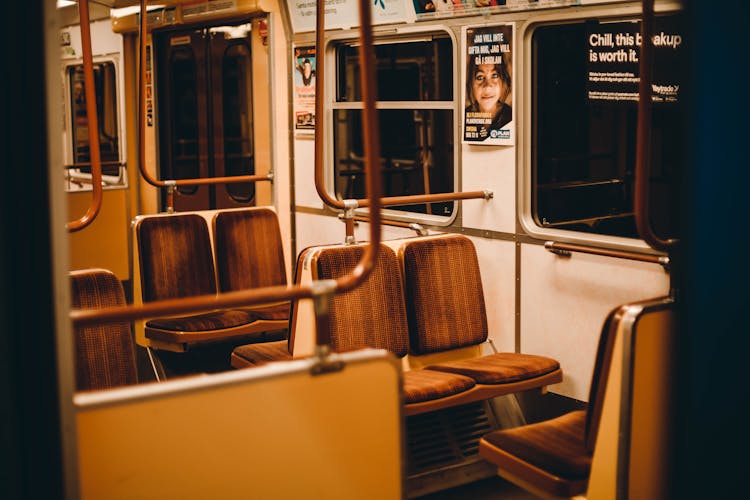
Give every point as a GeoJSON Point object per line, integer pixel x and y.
{"type": "Point", "coordinates": [488, 90]}
{"type": "Point", "coordinates": [304, 88]}
{"type": "Point", "coordinates": [344, 14]}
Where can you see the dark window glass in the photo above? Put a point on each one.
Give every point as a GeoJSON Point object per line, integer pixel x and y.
{"type": "Point", "coordinates": [184, 105]}
{"type": "Point", "coordinates": [414, 71]}
{"type": "Point", "coordinates": [416, 139]}
{"type": "Point", "coordinates": [106, 110]}
{"type": "Point", "coordinates": [416, 155]}
{"type": "Point", "coordinates": [237, 113]}
{"type": "Point", "coordinates": [583, 155]}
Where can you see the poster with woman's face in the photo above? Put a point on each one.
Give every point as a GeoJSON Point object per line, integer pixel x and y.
{"type": "Point", "coordinates": [304, 88]}
{"type": "Point", "coordinates": [488, 96]}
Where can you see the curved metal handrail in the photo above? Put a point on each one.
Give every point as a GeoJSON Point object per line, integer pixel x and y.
{"type": "Point", "coordinates": [279, 293]}
{"type": "Point", "coordinates": [565, 249]}
{"type": "Point", "coordinates": [643, 134]}
{"type": "Point", "coordinates": [170, 184]}
{"type": "Point", "coordinates": [93, 123]}
{"type": "Point", "coordinates": [320, 145]}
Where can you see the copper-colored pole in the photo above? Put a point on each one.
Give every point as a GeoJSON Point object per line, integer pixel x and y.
{"type": "Point", "coordinates": [82, 164]}
{"type": "Point", "coordinates": [281, 293]}
{"type": "Point", "coordinates": [395, 223]}
{"type": "Point", "coordinates": [222, 180]}
{"type": "Point", "coordinates": [563, 248]}
{"type": "Point", "coordinates": [93, 123]}
{"type": "Point", "coordinates": [643, 134]}
{"type": "Point", "coordinates": [320, 78]}
{"type": "Point", "coordinates": [429, 198]}
{"type": "Point", "coordinates": [142, 33]}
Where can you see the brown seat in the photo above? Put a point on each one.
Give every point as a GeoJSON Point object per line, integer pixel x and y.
{"type": "Point", "coordinates": [249, 254]}
{"type": "Point", "coordinates": [251, 355]}
{"type": "Point", "coordinates": [553, 458]}
{"type": "Point", "coordinates": [247, 356]}
{"type": "Point", "coordinates": [446, 309]}
{"type": "Point", "coordinates": [374, 315]}
{"type": "Point", "coordinates": [176, 261]}
{"type": "Point", "coordinates": [105, 355]}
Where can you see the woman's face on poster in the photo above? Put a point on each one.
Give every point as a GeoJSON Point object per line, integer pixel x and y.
{"type": "Point", "coordinates": [487, 87]}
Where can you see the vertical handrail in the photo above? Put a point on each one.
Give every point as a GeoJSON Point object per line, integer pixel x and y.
{"type": "Point", "coordinates": [93, 123]}
{"type": "Point", "coordinates": [643, 135]}
{"type": "Point", "coordinates": [85, 317]}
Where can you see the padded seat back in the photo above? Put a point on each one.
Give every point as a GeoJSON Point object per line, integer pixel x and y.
{"type": "Point", "coordinates": [249, 251]}
{"type": "Point", "coordinates": [373, 314]}
{"type": "Point", "coordinates": [444, 294]}
{"type": "Point", "coordinates": [105, 355]}
{"type": "Point", "coordinates": [175, 256]}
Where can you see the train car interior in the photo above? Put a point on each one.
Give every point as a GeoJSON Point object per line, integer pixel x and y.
{"type": "Point", "coordinates": [401, 249]}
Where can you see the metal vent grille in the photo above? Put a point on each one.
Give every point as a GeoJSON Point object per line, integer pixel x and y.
{"type": "Point", "coordinates": [447, 437]}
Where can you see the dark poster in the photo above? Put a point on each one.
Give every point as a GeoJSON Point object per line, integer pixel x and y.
{"type": "Point", "coordinates": [613, 55]}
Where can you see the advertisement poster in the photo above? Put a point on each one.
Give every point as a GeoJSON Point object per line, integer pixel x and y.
{"type": "Point", "coordinates": [612, 61]}
{"type": "Point", "coordinates": [426, 9]}
{"type": "Point", "coordinates": [304, 88]}
{"type": "Point", "coordinates": [488, 96]}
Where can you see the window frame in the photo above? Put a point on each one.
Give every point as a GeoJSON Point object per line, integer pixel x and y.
{"type": "Point", "coordinates": [526, 155]}
{"type": "Point", "coordinates": [391, 36]}
{"type": "Point", "coordinates": [75, 174]}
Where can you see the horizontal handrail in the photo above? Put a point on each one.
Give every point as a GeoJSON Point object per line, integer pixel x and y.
{"type": "Point", "coordinates": [223, 180]}
{"type": "Point", "coordinates": [93, 123]}
{"type": "Point", "coordinates": [565, 249]}
{"type": "Point", "coordinates": [83, 164]}
{"type": "Point", "coordinates": [280, 293]}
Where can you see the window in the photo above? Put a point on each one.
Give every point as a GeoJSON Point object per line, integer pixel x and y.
{"type": "Point", "coordinates": [106, 109]}
{"type": "Point", "coordinates": [583, 151]}
{"type": "Point", "coordinates": [416, 115]}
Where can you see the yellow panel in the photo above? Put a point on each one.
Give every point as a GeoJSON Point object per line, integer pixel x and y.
{"type": "Point", "coordinates": [104, 243]}
{"type": "Point", "coordinates": [261, 112]}
{"type": "Point", "coordinates": [654, 349]}
{"type": "Point", "coordinates": [269, 432]}
{"type": "Point", "coordinates": [603, 478]}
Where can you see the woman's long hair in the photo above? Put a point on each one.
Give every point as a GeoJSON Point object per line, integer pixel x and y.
{"type": "Point", "coordinates": [503, 70]}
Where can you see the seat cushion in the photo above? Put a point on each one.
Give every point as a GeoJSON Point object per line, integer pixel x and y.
{"type": "Point", "coordinates": [278, 311]}
{"type": "Point", "coordinates": [215, 320]}
{"type": "Point", "coordinates": [500, 368]}
{"type": "Point", "coordinates": [258, 354]}
{"type": "Point", "coordinates": [556, 446]}
{"type": "Point", "coordinates": [424, 385]}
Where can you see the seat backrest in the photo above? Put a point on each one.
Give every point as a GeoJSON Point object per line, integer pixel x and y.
{"type": "Point", "coordinates": [249, 251]}
{"type": "Point", "coordinates": [175, 256]}
{"type": "Point", "coordinates": [373, 314]}
{"type": "Point", "coordinates": [105, 355]}
{"type": "Point", "coordinates": [444, 294]}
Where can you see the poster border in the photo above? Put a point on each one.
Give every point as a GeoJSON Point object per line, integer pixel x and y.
{"type": "Point", "coordinates": [464, 62]}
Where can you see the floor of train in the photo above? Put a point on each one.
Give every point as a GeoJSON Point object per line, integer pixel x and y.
{"type": "Point", "coordinates": [491, 488]}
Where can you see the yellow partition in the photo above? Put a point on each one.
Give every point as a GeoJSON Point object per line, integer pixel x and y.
{"type": "Point", "coordinates": [271, 432]}
{"type": "Point", "coordinates": [630, 460]}
{"type": "Point", "coordinates": [104, 243]}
